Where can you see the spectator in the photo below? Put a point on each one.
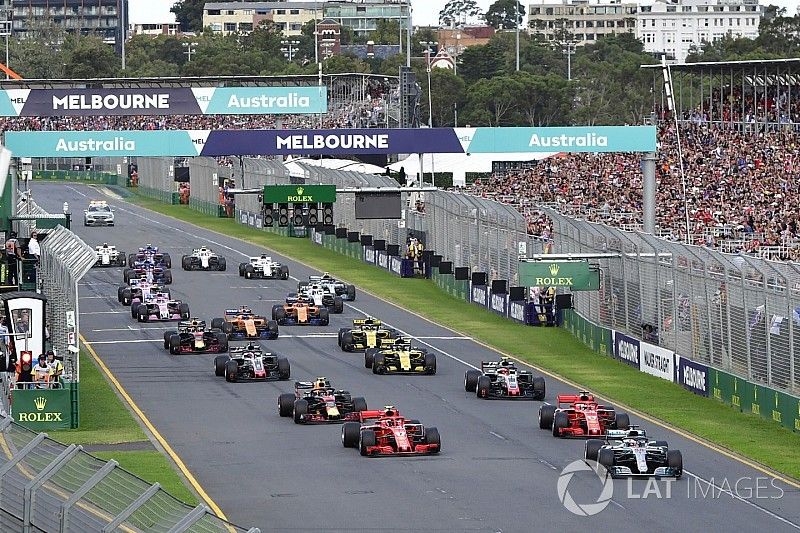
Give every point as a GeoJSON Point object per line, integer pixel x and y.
{"type": "Point", "coordinates": [56, 367]}
{"type": "Point", "coordinates": [33, 247]}
{"type": "Point", "coordinates": [13, 254]}
{"type": "Point", "coordinates": [41, 372]}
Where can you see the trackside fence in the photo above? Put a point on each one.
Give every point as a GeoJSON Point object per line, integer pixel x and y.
{"type": "Point", "coordinates": [48, 486]}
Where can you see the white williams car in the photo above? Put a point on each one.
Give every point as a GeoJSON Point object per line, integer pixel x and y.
{"type": "Point", "coordinates": [203, 258]}
{"type": "Point", "coordinates": [109, 256]}
{"type": "Point", "coordinates": [98, 214]}
{"type": "Point", "coordinates": [263, 267]}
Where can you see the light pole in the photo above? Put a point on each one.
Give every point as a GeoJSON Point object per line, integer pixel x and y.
{"type": "Point", "coordinates": [123, 25]}
{"type": "Point", "coordinates": [455, 55]}
{"type": "Point", "coordinates": [671, 106]}
{"type": "Point", "coordinates": [189, 50]}
{"type": "Point", "coordinates": [568, 49]}
{"type": "Point", "coordinates": [289, 48]}
{"type": "Point", "coordinates": [516, 25]}
{"type": "Point", "coordinates": [428, 45]}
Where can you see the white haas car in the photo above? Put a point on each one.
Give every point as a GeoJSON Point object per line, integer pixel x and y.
{"type": "Point", "coordinates": [320, 295]}
{"type": "Point", "coordinates": [203, 258]}
{"type": "Point", "coordinates": [109, 256]}
{"type": "Point", "coordinates": [263, 267]}
{"type": "Point", "coordinates": [338, 288]}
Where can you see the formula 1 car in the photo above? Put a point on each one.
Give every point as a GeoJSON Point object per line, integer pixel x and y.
{"type": "Point", "coordinates": [150, 253]}
{"type": "Point", "coordinates": [300, 313]}
{"type": "Point", "coordinates": [321, 295]}
{"type": "Point", "coordinates": [400, 358]}
{"type": "Point", "coordinates": [386, 432]}
{"type": "Point", "coordinates": [192, 336]}
{"type": "Point", "coordinates": [109, 256]}
{"type": "Point", "coordinates": [160, 308]}
{"type": "Point", "coordinates": [251, 363]}
{"type": "Point", "coordinates": [339, 288]}
{"type": "Point", "coordinates": [263, 267]}
{"type": "Point", "coordinates": [242, 323]}
{"type": "Point", "coordinates": [580, 416]}
{"type": "Point", "coordinates": [501, 380]}
{"type": "Point", "coordinates": [149, 271]}
{"type": "Point", "coordinates": [318, 402]}
{"type": "Point", "coordinates": [365, 334]}
{"type": "Point", "coordinates": [203, 258]}
{"type": "Point", "coordinates": [139, 290]}
{"type": "Point", "coordinates": [629, 453]}
{"type": "Point", "coordinates": [98, 214]}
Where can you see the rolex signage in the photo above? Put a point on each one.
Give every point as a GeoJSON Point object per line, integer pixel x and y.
{"type": "Point", "coordinates": [573, 275]}
{"type": "Point", "coordinates": [41, 409]}
{"type": "Point", "coordinates": [299, 194]}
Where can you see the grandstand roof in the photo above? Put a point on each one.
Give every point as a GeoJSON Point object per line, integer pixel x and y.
{"type": "Point", "coordinates": [760, 65]}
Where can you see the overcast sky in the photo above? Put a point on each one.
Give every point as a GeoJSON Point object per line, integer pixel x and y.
{"type": "Point", "coordinates": [425, 12]}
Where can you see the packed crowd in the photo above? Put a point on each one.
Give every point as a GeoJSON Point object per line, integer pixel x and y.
{"type": "Point", "coordinates": [742, 187]}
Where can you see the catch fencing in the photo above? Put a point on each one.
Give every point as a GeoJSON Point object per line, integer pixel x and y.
{"type": "Point", "coordinates": [253, 173]}
{"type": "Point", "coordinates": [48, 486]}
{"type": "Point", "coordinates": [65, 259]}
{"type": "Point", "coordinates": [737, 313]}
{"type": "Point", "coordinates": [156, 177]}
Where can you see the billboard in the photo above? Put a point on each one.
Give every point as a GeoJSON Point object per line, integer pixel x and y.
{"type": "Point", "coordinates": [163, 101]}
{"type": "Point", "coordinates": [693, 376]}
{"type": "Point", "coordinates": [657, 361]}
{"type": "Point", "coordinates": [626, 349]}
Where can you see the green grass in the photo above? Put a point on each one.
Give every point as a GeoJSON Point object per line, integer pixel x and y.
{"type": "Point", "coordinates": [553, 350]}
{"type": "Point", "coordinates": [153, 467]}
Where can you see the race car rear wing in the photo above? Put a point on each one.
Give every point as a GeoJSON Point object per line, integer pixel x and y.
{"type": "Point", "coordinates": [583, 397]}
{"type": "Point", "coordinates": [366, 322]}
{"type": "Point", "coordinates": [239, 312]}
{"type": "Point", "coordinates": [245, 349]}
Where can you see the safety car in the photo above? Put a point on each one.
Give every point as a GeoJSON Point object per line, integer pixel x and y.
{"type": "Point", "coordinates": [251, 363]}
{"type": "Point", "coordinates": [630, 453]}
{"type": "Point", "coordinates": [243, 323]}
{"type": "Point", "coordinates": [580, 416]}
{"type": "Point", "coordinates": [203, 258]}
{"type": "Point", "coordinates": [498, 380]}
{"type": "Point", "coordinates": [263, 267]}
{"type": "Point", "coordinates": [400, 358]}
{"type": "Point", "coordinates": [387, 432]}
{"type": "Point", "coordinates": [192, 336]}
{"type": "Point", "coordinates": [98, 214]}
{"type": "Point", "coordinates": [366, 333]}
{"type": "Point", "coordinates": [318, 402]}
{"type": "Point", "coordinates": [109, 256]}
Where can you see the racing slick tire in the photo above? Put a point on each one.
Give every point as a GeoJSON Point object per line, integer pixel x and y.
{"type": "Point", "coordinates": [539, 388]}
{"type": "Point", "coordinates": [286, 404]}
{"type": "Point", "coordinates": [284, 272]}
{"type": "Point", "coordinates": [378, 363]}
{"type": "Point", "coordinates": [278, 313]}
{"type": "Point", "coordinates": [143, 316]}
{"type": "Point", "coordinates": [167, 261]}
{"type": "Point", "coordinates": [341, 332]}
{"type": "Point", "coordinates": [351, 431]}
{"type": "Point", "coordinates": [324, 317]}
{"type": "Point", "coordinates": [346, 341]}
{"type": "Point", "coordinates": [272, 327]}
{"type": "Point", "coordinates": [119, 294]}
{"type": "Point", "coordinates": [300, 408]}
{"type": "Point", "coordinates": [131, 259]}
{"type": "Point", "coordinates": [120, 259]}
{"type": "Point", "coordinates": [606, 458]}
{"type": "Point", "coordinates": [183, 309]}
{"type": "Point", "coordinates": [222, 265]}
{"type": "Point", "coordinates": [167, 334]}
{"type": "Point", "coordinates": [127, 274]}
{"type": "Point", "coordinates": [241, 269]}
{"type": "Point", "coordinates": [222, 341]}
{"type": "Point", "coordinates": [175, 344]}
{"type": "Point", "coordinates": [167, 277]}
{"type": "Point", "coordinates": [359, 404]}
{"type": "Point", "coordinates": [227, 328]}
{"type": "Point", "coordinates": [675, 461]}
{"type": "Point", "coordinates": [217, 323]}
{"type": "Point", "coordinates": [369, 356]}
{"type": "Point", "coordinates": [591, 449]}
{"type": "Point", "coordinates": [231, 371]}
{"type": "Point", "coordinates": [432, 437]}
{"type": "Point", "coordinates": [284, 369]}
{"type": "Point", "coordinates": [219, 365]}
{"type": "Point", "coordinates": [249, 271]}
{"type": "Point", "coordinates": [135, 309]}
{"type": "Point", "coordinates": [546, 415]}
{"type": "Point", "coordinates": [366, 439]}
{"type": "Point", "coordinates": [186, 263]}
{"type": "Point", "coordinates": [351, 293]}
{"type": "Point", "coordinates": [126, 297]}
{"type": "Point", "coordinates": [430, 364]}
{"type": "Point", "coordinates": [471, 380]}
{"type": "Point", "coordinates": [622, 421]}
{"type": "Point", "coordinates": [483, 387]}
{"type": "Point", "coordinates": [560, 421]}
{"type": "Point", "coordinates": [338, 305]}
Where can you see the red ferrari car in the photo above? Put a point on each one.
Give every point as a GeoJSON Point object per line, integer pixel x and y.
{"type": "Point", "coordinates": [386, 432]}
{"type": "Point", "coordinates": [580, 416]}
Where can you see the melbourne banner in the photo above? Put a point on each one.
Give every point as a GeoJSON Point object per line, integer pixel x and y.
{"type": "Point", "coordinates": [626, 349]}
{"type": "Point", "coordinates": [163, 101]}
{"type": "Point", "coordinates": [188, 143]}
{"type": "Point", "coordinates": [693, 376]}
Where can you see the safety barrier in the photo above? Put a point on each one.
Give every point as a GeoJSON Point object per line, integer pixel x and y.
{"type": "Point", "coordinates": [49, 486]}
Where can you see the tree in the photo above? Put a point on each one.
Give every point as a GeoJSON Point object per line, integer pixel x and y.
{"type": "Point", "coordinates": [457, 13]}
{"type": "Point", "coordinates": [482, 61]}
{"type": "Point", "coordinates": [492, 101]}
{"type": "Point", "coordinates": [505, 14]}
{"type": "Point", "coordinates": [447, 92]}
{"type": "Point", "coordinates": [189, 13]}
{"type": "Point", "coordinates": [543, 100]}
{"type": "Point", "coordinates": [41, 53]}
{"type": "Point", "coordinates": [386, 32]}
{"type": "Point", "coordinates": [341, 64]}
{"type": "Point", "coordinates": [90, 57]}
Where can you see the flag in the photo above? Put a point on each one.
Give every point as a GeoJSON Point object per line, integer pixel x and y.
{"type": "Point", "coordinates": [758, 314]}
{"type": "Point", "coordinates": [796, 315]}
{"type": "Point", "coordinates": [775, 325]}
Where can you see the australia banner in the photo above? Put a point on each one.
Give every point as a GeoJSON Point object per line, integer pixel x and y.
{"type": "Point", "coordinates": [163, 101]}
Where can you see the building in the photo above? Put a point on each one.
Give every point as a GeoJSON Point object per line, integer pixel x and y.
{"type": "Point", "coordinates": [242, 17]}
{"type": "Point", "coordinates": [672, 28]}
{"type": "Point", "coordinates": [97, 17]}
{"type": "Point", "coordinates": [330, 38]}
{"type": "Point", "coordinates": [581, 21]}
{"type": "Point", "coordinates": [455, 41]}
{"type": "Point", "coordinates": [362, 16]}
{"type": "Point", "coordinates": [155, 28]}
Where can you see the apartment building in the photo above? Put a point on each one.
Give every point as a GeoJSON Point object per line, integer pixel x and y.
{"type": "Point", "coordinates": [98, 17]}
{"type": "Point", "coordinates": [581, 21]}
{"type": "Point", "coordinates": [242, 17]}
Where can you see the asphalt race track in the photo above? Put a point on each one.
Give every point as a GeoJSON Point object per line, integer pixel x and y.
{"type": "Point", "coordinates": [497, 470]}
